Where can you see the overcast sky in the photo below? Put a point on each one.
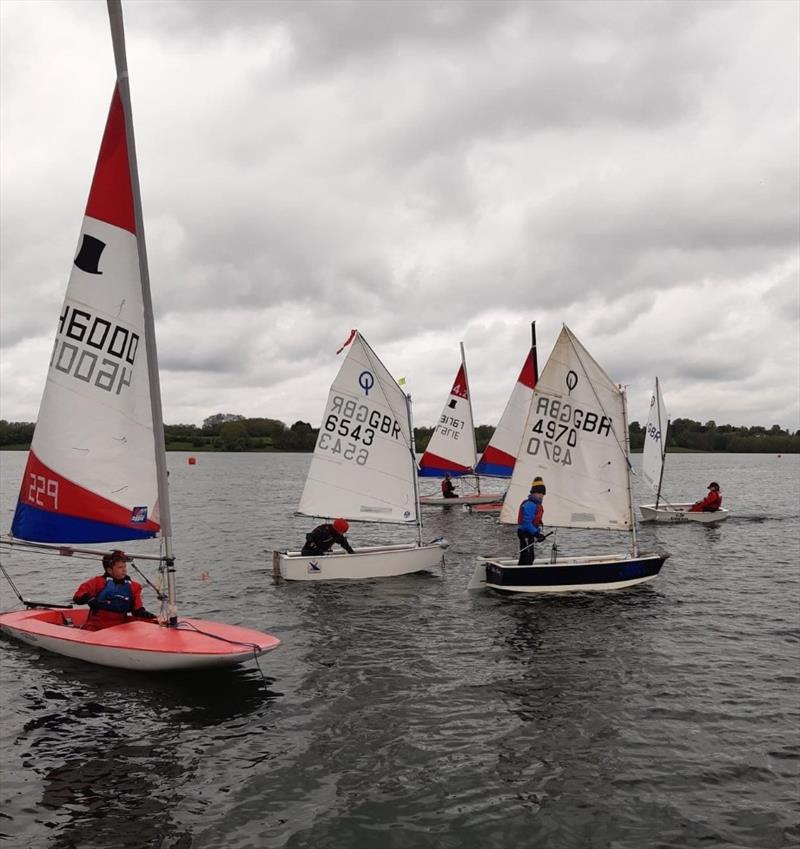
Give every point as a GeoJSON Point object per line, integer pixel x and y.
{"type": "Point", "coordinates": [429, 173]}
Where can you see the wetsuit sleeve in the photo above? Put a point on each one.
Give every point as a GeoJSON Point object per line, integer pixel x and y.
{"type": "Point", "coordinates": [88, 590]}
{"type": "Point", "coordinates": [342, 540]}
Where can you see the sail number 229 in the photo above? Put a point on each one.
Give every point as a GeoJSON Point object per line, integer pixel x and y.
{"type": "Point", "coordinates": [41, 487]}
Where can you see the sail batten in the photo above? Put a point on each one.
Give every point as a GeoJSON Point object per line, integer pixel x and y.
{"type": "Point", "coordinates": [574, 438]}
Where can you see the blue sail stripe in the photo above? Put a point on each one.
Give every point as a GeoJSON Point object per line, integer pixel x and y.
{"type": "Point", "coordinates": [31, 523]}
{"type": "Point", "coordinates": [494, 470]}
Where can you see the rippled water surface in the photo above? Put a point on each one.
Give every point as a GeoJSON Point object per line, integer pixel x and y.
{"type": "Point", "coordinates": [410, 713]}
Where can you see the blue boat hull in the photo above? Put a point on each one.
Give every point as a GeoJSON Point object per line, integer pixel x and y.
{"type": "Point", "coordinates": [571, 574]}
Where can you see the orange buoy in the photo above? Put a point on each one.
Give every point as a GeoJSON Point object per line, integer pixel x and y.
{"type": "Point", "coordinates": [192, 461]}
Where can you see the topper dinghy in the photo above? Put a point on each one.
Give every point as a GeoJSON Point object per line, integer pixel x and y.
{"type": "Point", "coordinates": [96, 471]}
{"type": "Point", "coordinates": [452, 450]}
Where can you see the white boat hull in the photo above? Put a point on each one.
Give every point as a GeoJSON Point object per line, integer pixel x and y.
{"type": "Point", "coordinates": [469, 500]}
{"type": "Point", "coordinates": [137, 644]}
{"type": "Point", "coordinates": [675, 513]}
{"type": "Point", "coordinates": [566, 574]}
{"type": "Point", "coordinates": [378, 561]}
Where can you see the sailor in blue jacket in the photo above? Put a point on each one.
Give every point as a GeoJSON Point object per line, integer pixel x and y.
{"type": "Point", "coordinates": [529, 526]}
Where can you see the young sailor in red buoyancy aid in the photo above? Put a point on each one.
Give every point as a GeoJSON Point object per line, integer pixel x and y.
{"type": "Point", "coordinates": [448, 490]}
{"type": "Point", "coordinates": [111, 597]}
{"type": "Point", "coordinates": [711, 503]}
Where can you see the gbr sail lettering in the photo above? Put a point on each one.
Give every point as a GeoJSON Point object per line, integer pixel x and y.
{"type": "Point", "coordinates": [94, 350]}
{"type": "Point", "coordinates": [350, 428]}
{"type": "Point", "coordinates": [559, 426]}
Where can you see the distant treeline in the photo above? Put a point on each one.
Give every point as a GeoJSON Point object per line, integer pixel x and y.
{"type": "Point", "coordinates": [227, 432]}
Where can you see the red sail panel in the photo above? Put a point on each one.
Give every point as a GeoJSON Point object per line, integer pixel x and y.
{"type": "Point", "coordinates": [111, 195]}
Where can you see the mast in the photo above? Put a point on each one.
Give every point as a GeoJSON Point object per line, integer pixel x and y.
{"type": "Point", "coordinates": [533, 355]}
{"type": "Point", "coordinates": [413, 457]}
{"type": "Point", "coordinates": [121, 61]}
{"type": "Point", "coordinates": [471, 418]}
{"type": "Point", "coordinates": [632, 519]}
{"type": "Point", "coordinates": [663, 443]}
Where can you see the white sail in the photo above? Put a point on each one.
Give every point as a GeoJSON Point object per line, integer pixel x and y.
{"type": "Point", "coordinates": [574, 438]}
{"type": "Point", "coordinates": [655, 441]}
{"type": "Point", "coordinates": [363, 467]}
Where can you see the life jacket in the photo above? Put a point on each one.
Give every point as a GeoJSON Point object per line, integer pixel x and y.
{"type": "Point", "coordinates": [115, 597]}
{"type": "Point", "coordinates": [710, 504]}
{"type": "Point", "coordinates": [447, 487]}
{"type": "Point", "coordinates": [529, 517]}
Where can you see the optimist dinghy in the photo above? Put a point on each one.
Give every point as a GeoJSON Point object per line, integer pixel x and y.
{"type": "Point", "coordinates": [363, 469]}
{"type": "Point", "coordinates": [96, 471]}
{"type": "Point", "coordinates": [653, 461]}
{"type": "Point", "coordinates": [576, 438]}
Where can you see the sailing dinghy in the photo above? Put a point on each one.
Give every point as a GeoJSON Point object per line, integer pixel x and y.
{"type": "Point", "coordinates": [363, 470]}
{"type": "Point", "coordinates": [654, 458]}
{"type": "Point", "coordinates": [452, 449]}
{"type": "Point", "coordinates": [576, 438]}
{"type": "Point", "coordinates": [96, 471]}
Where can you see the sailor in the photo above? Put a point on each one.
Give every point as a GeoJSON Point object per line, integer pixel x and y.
{"type": "Point", "coordinates": [529, 526]}
{"type": "Point", "coordinates": [321, 539]}
{"type": "Point", "coordinates": [112, 596]}
{"type": "Point", "coordinates": [711, 503]}
{"type": "Point", "coordinates": [448, 490]}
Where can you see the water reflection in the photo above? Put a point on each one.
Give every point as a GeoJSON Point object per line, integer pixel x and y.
{"type": "Point", "coordinates": [113, 749]}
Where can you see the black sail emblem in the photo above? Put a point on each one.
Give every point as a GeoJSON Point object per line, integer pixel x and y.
{"type": "Point", "coordinates": [88, 257]}
{"type": "Point", "coordinates": [572, 380]}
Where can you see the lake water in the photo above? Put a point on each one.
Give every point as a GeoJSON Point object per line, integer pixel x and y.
{"type": "Point", "coordinates": [410, 713]}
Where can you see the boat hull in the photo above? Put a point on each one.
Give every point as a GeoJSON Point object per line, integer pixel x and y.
{"type": "Point", "coordinates": [469, 500]}
{"type": "Point", "coordinates": [379, 561]}
{"type": "Point", "coordinates": [567, 574]}
{"type": "Point", "coordinates": [676, 513]}
{"type": "Point", "coordinates": [140, 645]}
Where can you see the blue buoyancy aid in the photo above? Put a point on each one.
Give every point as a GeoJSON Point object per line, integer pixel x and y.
{"type": "Point", "coordinates": [116, 597]}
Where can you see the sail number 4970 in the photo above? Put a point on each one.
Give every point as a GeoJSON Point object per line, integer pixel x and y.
{"type": "Point", "coordinates": [553, 447]}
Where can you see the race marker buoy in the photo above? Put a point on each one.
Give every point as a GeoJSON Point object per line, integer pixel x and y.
{"type": "Point", "coordinates": [192, 461]}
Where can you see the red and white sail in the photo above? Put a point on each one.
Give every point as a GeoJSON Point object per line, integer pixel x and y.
{"type": "Point", "coordinates": [500, 454]}
{"type": "Point", "coordinates": [452, 449]}
{"type": "Point", "coordinates": [91, 471]}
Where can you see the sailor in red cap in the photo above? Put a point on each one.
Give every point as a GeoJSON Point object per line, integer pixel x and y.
{"type": "Point", "coordinates": [321, 539]}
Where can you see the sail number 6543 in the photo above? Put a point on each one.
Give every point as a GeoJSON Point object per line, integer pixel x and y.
{"type": "Point", "coordinates": [349, 451]}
